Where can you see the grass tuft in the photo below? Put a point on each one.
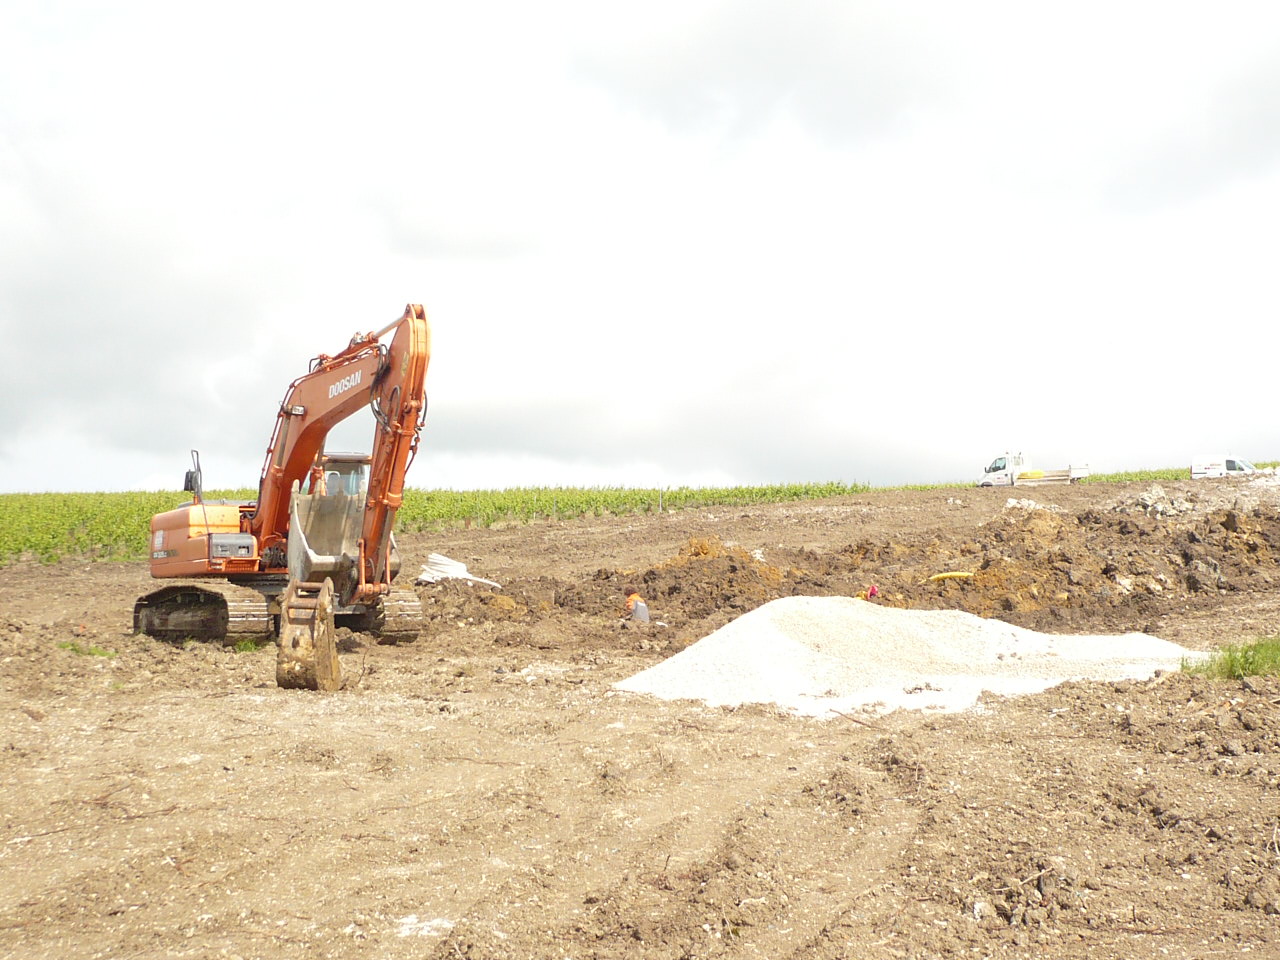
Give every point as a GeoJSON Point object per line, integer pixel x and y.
{"type": "Point", "coordinates": [1260, 658]}
{"type": "Point", "coordinates": [93, 650]}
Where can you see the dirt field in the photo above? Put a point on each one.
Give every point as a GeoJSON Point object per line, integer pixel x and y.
{"type": "Point", "coordinates": [483, 793]}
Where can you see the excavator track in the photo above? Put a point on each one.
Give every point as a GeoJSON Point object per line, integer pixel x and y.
{"type": "Point", "coordinates": [209, 610]}
{"type": "Point", "coordinates": [221, 612]}
{"type": "Point", "coordinates": [401, 617]}
{"type": "Point", "coordinates": [397, 619]}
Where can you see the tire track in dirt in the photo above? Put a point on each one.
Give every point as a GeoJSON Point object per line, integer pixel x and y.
{"type": "Point", "coordinates": [750, 843]}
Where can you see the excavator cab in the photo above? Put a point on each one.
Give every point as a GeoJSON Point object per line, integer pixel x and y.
{"type": "Point", "coordinates": [327, 518]}
{"type": "Point", "coordinates": [339, 473]}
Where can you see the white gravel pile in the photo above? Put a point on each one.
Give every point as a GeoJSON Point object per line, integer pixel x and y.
{"type": "Point", "coordinates": [815, 655]}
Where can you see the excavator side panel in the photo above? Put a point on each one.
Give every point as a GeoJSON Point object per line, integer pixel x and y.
{"type": "Point", "coordinates": [201, 538]}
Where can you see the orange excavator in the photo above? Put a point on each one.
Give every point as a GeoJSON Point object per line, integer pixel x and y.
{"type": "Point", "coordinates": [315, 550]}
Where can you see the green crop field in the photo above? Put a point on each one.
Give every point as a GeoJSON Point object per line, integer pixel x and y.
{"type": "Point", "coordinates": [114, 526]}
{"type": "Point", "coordinates": [48, 526]}
{"type": "Point", "coordinates": [1140, 476]}
{"type": "Point", "coordinates": [1159, 476]}
{"type": "Point", "coordinates": [426, 509]}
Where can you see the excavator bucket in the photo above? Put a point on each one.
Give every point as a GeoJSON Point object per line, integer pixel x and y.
{"type": "Point", "coordinates": [324, 536]}
{"type": "Point", "coordinates": [324, 539]}
{"type": "Point", "coordinates": [308, 654]}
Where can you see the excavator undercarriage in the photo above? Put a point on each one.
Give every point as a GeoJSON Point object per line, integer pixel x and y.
{"type": "Point", "coordinates": [223, 612]}
{"type": "Point", "coordinates": [302, 610]}
{"type": "Point", "coordinates": [210, 610]}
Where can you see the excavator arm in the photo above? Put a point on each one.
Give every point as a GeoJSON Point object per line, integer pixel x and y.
{"type": "Point", "coordinates": [399, 405]}
{"type": "Point", "coordinates": [390, 377]}
{"type": "Point", "coordinates": [326, 568]}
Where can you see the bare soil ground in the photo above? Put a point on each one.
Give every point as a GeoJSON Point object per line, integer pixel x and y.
{"type": "Point", "coordinates": [483, 793]}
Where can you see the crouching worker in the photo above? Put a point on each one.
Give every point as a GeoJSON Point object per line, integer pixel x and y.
{"type": "Point", "coordinates": [636, 608]}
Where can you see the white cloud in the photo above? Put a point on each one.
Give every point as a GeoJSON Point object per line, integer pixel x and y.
{"type": "Point", "coordinates": [697, 241]}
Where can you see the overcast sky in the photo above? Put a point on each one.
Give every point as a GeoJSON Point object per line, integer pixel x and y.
{"type": "Point", "coordinates": [660, 243]}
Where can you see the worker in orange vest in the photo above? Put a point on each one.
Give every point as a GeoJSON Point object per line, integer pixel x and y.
{"type": "Point", "coordinates": [636, 607]}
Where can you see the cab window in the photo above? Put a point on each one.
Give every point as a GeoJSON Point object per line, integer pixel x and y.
{"type": "Point", "coordinates": [352, 480]}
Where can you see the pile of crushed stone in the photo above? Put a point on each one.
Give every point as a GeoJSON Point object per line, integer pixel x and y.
{"type": "Point", "coordinates": [821, 656]}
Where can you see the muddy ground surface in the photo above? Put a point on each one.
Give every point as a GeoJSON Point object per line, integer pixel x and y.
{"type": "Point", "coordinates": [483, 793]}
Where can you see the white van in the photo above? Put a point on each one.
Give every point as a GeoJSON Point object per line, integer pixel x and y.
{"type": "Point", "coordinates": [1207, 466]}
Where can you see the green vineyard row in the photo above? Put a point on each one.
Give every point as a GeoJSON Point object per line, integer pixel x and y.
{"type": "Point", "coordinates": [114, 526]}
{"type": "Point", "coordinates": [51, 526]}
